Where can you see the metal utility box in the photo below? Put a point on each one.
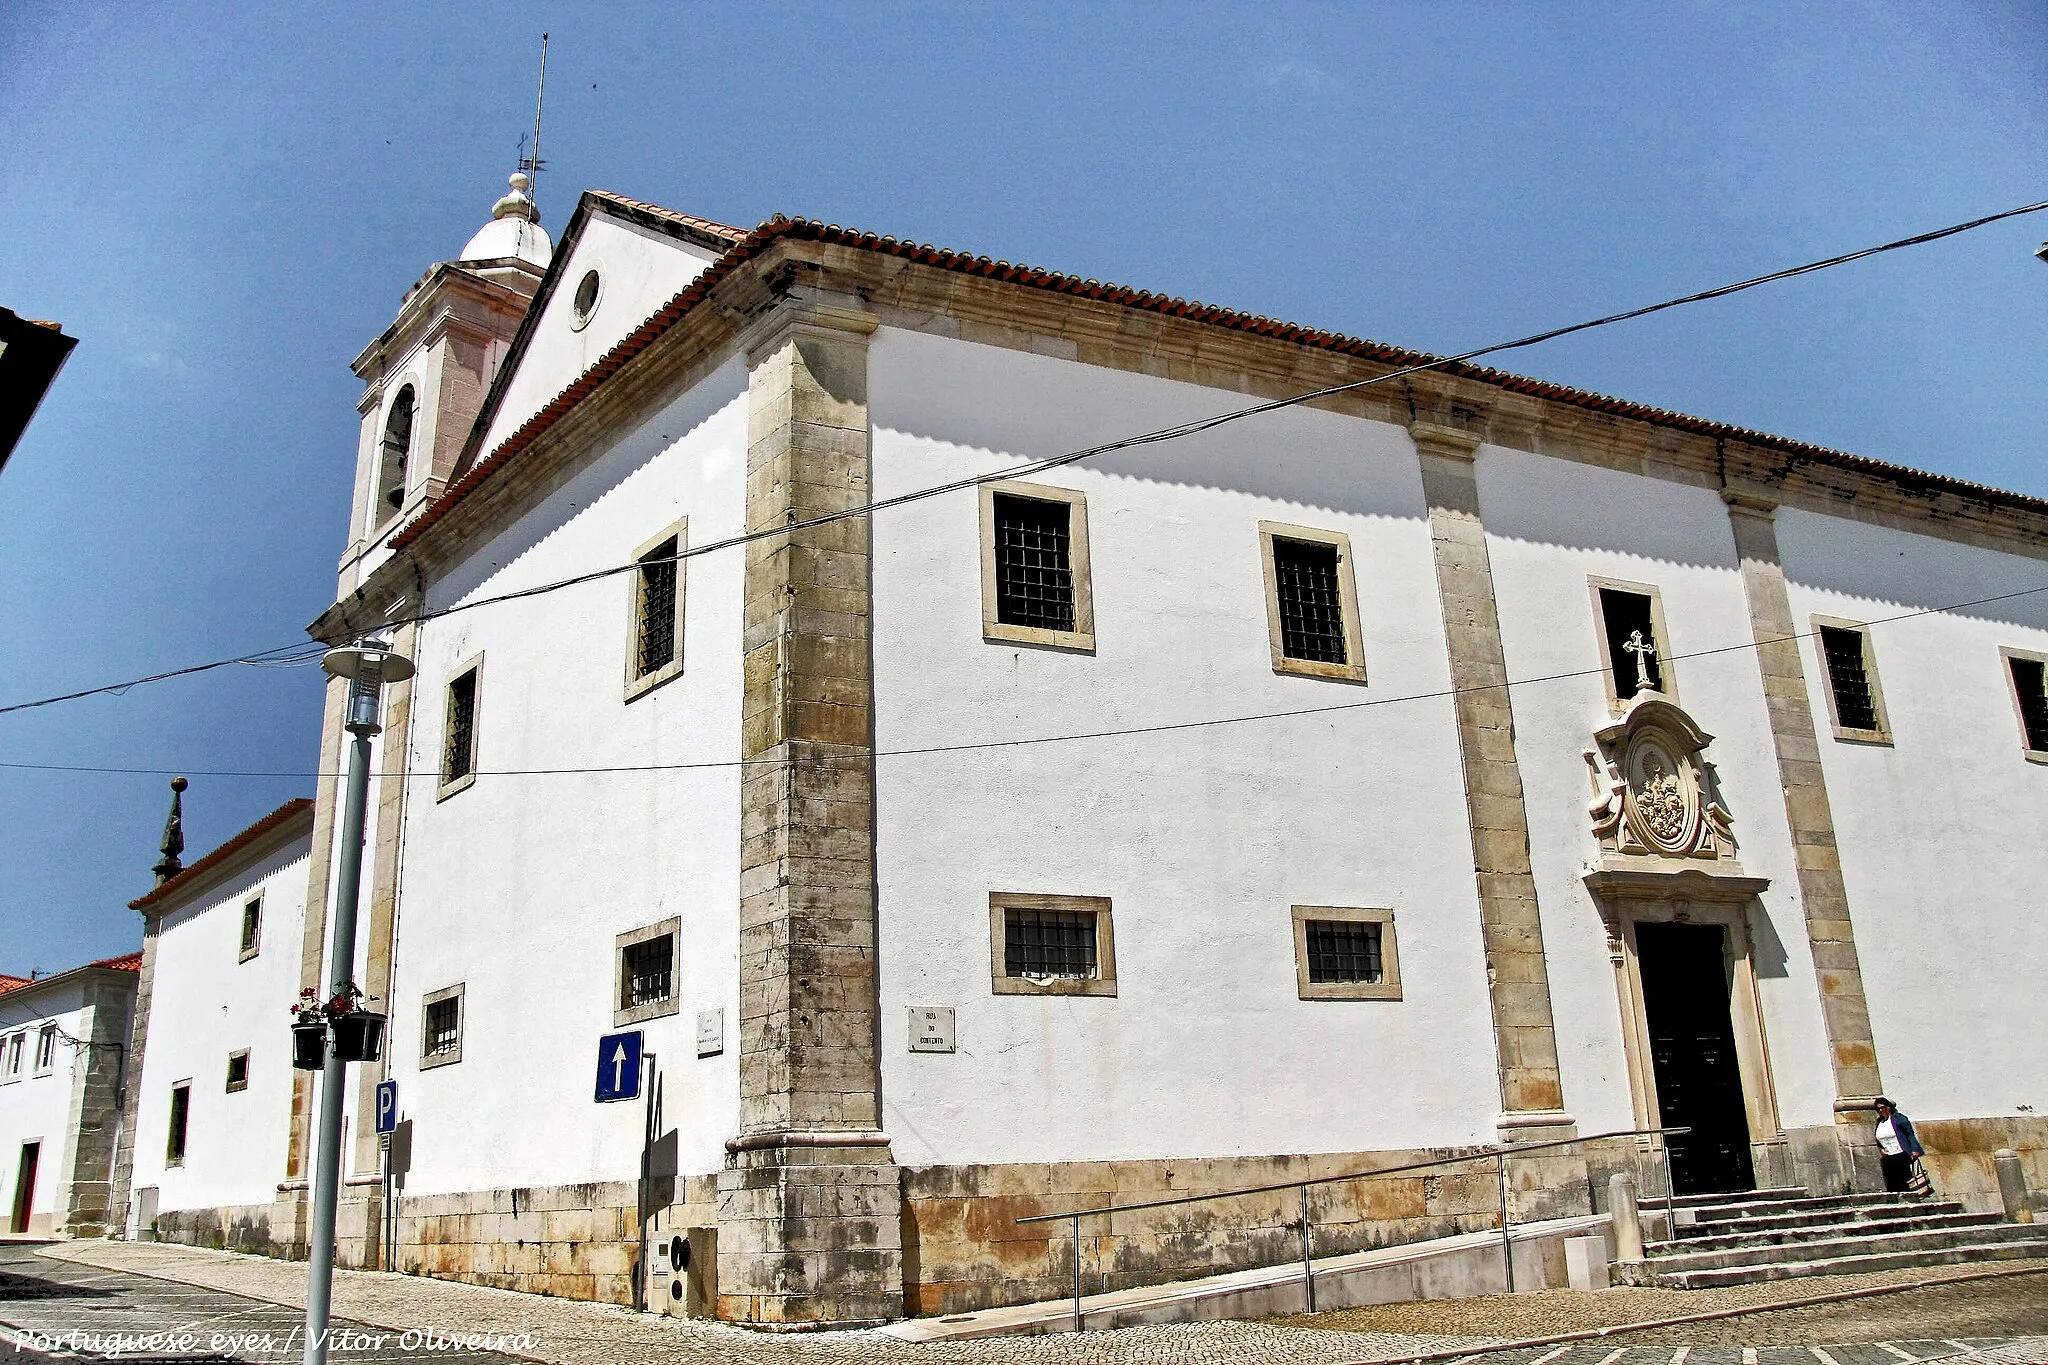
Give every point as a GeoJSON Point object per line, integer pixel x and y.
{"type": "Point", "coordinates": [682, 1273]}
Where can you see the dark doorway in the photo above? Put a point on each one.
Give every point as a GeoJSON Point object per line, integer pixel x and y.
{"type": "Point", "coordinates": [25, 1184]}
{"type": "Point", "coordinates": [1692, 1049]}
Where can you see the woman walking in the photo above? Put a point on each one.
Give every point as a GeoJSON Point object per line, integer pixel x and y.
{"type": "Point", "coordinates": [1898, 1147]}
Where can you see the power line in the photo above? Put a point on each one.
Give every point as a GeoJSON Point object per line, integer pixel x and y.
{"type": "Point", "coordinates": [1164, 434]}
{"type": "Point", "coordinates": [283, 656]}
{"type": "Point", "coordinates": [1163, 727]}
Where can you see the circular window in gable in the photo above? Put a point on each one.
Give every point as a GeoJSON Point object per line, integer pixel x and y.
{"type": "Point", "coordinates": [588, 291]}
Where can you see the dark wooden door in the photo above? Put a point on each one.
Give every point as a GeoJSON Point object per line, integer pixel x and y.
{"type": "Point", "coordinates": [1692, 1050]}
{"type": "Point", "coordinates": [25, 1184]}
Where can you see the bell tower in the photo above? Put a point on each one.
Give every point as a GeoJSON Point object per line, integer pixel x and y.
{"type": "Point", "coordinates": [425, 378]}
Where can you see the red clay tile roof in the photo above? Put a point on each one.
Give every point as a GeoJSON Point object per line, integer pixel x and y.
{"type": "Point", "coordinates": [299, 807]}
{"type": "Point", "coordinates": [753, 243]}
{"type": "Point", "coordinates": [730, 234]}
{"type": "Point", "coordinates": [8, 983]}
{"type": "Point", "coordinates": [127, 962]}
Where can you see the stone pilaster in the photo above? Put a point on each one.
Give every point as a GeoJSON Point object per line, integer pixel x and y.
{"type": "Point", "coordinates": [327, 793]}
{"type": "Point", "coordinates": [1852, 1052]}
{"type": "Point", "coordinates": [87, 1208]}
{"type": "Point", "coordinates": [383, 892]}
{"type": "Point", "coordinates": [810, 1202]}
{"type": "Point", "coordinates": [130, 1089]}
{"type": "Point", "coordinates": [1518, 977]}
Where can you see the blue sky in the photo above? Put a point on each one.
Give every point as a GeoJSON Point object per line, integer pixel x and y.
{"type": "Point", "coordinates": [224, 203]}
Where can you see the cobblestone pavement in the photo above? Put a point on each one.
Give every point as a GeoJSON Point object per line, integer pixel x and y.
{"type": "Point", "coordinates": [235, 1289]}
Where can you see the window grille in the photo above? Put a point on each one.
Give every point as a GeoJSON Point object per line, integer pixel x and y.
{"type": "Point", "coordinates": [2030, 683]}
{"type": "Point", "coordinates": [1034, 563]}
{"type": "Point", "coordinates": [650, 969]}
{"type": "Point", "coordinates": [1342, 950]}
{"type": "Point", "coordinates": [181, 1113]}
{"type": "Point", "coordinates": [1049, 943]}
{"type": "Point", "coordinates": [1311, 601]}
{"type": "Point", "coordinates": [444, 1026]}
{"type": "Point", "coordinates": [1855, 707]}
{"type": "Point", "coordinates": [238, 1071]}
{"type": "Point", "coordinates": [461, 755]}
{"type": "Point", "coordinates": [655, 639]}
{"type": "Point", "coordinates": [1625, 615]}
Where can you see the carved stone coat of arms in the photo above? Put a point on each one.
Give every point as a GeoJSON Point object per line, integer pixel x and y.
{"type": "Point", "coordinates": [1654, 793]}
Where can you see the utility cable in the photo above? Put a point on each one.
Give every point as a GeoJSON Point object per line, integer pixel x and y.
{"type": "Point", "coordinates": [1164, 727]}
{"type": "Point", "coordinates": [1175, 432]}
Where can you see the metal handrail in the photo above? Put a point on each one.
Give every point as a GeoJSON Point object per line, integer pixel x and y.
{"type": "Point", "coordinates": [1498, 1155]}
{"type": "Point", "coordinates": [1511, 1149]}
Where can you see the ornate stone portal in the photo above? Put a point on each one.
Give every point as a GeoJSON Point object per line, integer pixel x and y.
{"type": "Point", "coordinates": [1667, 854]}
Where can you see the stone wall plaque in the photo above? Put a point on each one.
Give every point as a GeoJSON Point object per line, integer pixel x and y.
{"type": "Point", "coordinates": [931, 1028]}
{"type": "Point", "coordinates": [710, 1032]}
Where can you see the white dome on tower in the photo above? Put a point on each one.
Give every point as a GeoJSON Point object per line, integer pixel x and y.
{"type": "Point", "coordinates": [514, 229]}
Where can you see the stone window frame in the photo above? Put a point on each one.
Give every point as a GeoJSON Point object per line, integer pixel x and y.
{"type": "Point", "coordinates": [672, 1003]}
{"type": "Point", "coordinates": [1103, 983]}
{"type": "Point", "coordinates": [234, 1086]}
{"type": "Point", "coordinates": [1388, 987]}
{"type": "Point", "coordinates": [639, 684]}
{"type": "Point", "coordinates": [2006, 654]}
{"type": "Point", "coordinates": [458, 992]}
{"type": "Point", "coordinates": [1616, 703]}
{"type": "Point", "coordinates": [446, 788]}
{"type": "Point", "coordinates": [1353, 669]}
{"type": "Point", "coordinates": [1848, 735]}
{"type": "Point", "coordinates": [44, 1059]}
{"type": "Point", "coordinates": [252, 919]}
{"type": "Point", "coordinates": [1082, 637]}
{"type": "Point", "coordinates": [178, 1125]}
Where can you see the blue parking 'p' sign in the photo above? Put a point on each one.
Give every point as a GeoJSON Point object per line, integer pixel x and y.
{"type": "Point", "coordinates": [387, 1106]}
{"type": "Point", "coordinates": [618, 1067]}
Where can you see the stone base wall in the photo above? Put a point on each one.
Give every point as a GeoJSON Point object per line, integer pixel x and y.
{"type": "Point", "coordinates": [277, 1229]}
{"type": "Point", "coordinates": [1959, 1155]}
{"type": "Point", "coordinates": [963, 1248]}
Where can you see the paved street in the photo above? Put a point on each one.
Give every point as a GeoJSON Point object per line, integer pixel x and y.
{"type": "Point", "coordinates": [247, 1308]}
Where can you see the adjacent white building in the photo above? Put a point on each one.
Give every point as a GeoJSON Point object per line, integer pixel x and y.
{"type": "Point", "coordinates": [1454, 760]}
{"type": "Point", "coordinates": [63, 1044]}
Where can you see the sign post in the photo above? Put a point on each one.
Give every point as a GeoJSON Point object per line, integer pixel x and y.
{"type": "Point", "coordinates": [387, 1124]}
{"type": "Point", "coordinates": [619, 1060]}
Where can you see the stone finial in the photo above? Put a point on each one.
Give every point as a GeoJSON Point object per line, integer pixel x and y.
{"type": "Point", "coordinates": [518, 203]}
{"type": "Point", "coordinates": [169, 866]}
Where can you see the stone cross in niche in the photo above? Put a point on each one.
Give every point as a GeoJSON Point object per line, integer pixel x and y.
{"type": "Point", "coordinates": [1644, 651]}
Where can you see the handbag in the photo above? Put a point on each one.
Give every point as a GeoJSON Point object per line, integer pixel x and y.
{"type": "Point", "coordinates": [1917, 1183]}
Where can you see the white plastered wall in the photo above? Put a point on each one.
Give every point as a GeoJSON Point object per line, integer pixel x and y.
{"type": "Point", "coordinates": [1553, 524]}
{"type": "Point", "coordinates": [206, 1003]}
{"type": "Point", "coordinates": [1202, 838]}
{"type": "Point", "coordinates": [35, 1105]}
{"type": "Point", "coordinates": [516, 886]}
{"type": "Point", "coordinates": [640, 270]}
{"type": "Point", "coordinates": [1942, 831]}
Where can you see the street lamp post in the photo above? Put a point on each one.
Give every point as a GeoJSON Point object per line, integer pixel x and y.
{"type": "Point", "coordinates": [367, 665]}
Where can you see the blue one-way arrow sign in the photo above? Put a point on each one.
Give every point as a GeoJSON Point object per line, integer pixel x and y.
{"type": "Point", "coordinates": [618, 1067]}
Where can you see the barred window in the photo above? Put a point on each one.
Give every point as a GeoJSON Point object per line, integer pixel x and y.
{"type": "Point", "coordinates": [1048, 943]}
{"type": "Point", "coordinates": [655, 637]}
{"type": "Point", "coordinates": [1849, 678]}
{"type": "Point", "coordinates": [1311, 601]}
{"type": "Point", "coordinates": [1341, 951]}
{"type": "Point", "coordinates": [459, 755]}
{"type": "Point", "coordinates": [650, 971]}
{"type": "Point", "coordinates": [1634, 652]}
{"type": "Point", "coordinates": [2030, 691]}
{"type": "Point", "coordinates": [1034, 563]}
{"type": "Point", "coordinates": [444, 1027]}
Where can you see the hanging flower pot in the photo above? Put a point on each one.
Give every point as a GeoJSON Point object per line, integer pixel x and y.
{"type": "Point", "coordinates": [309, 1045]}
{"type": "Point", "coordinates": [358, 1035]}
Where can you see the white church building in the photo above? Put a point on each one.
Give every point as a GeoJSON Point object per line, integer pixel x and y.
{"type": "Point", "coordinates": [1455, 760]}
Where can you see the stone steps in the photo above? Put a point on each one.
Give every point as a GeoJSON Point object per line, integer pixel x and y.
{"type": "Point", "coordinates": [1820, 1232]}
{"type": "Point", "coordinates": [1777, 1234]}
{"type": "Point", "coordinates": [2035, 1247]}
